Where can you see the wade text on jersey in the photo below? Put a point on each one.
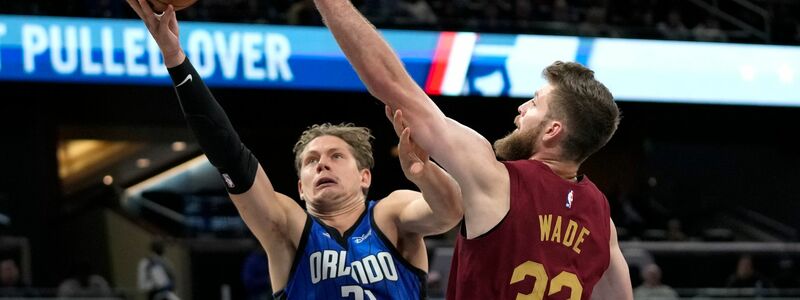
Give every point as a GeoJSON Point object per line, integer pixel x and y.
{"type": "Point", "coordinates": [564, 232]}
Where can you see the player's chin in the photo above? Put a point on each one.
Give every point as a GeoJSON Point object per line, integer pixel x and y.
{"type": "Point", "coordinates": [326, 192]}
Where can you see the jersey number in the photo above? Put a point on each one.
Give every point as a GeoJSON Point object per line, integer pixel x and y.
{"type": "Point", "coordinates": [358, 292]}
{"type": "Point", "coordinates": [536, 270]}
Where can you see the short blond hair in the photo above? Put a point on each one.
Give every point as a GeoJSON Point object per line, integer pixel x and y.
{"type": "Point", "coordinates": [358, 138]}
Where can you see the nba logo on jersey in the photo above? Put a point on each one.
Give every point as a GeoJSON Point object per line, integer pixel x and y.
{"type": "Point", "coordinates": [569, 199]}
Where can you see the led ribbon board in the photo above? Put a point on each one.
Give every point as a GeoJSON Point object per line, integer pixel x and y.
{"type": "Point", "coordinates": [50, 49]}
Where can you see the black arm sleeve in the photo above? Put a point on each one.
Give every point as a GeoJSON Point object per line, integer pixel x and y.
{"type": "Point", "coordinates": [213, 130]}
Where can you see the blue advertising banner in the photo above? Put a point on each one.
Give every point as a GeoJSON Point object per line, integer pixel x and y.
{"type": "Point", "coordinates": [50, 49]}
{"type": "Point", "coordinates": [230, 55]}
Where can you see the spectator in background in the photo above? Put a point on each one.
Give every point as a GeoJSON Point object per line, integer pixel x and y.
{"type": "Point", "coordinates": [9, 274]}
{"type": "Point", "coordinates": [746, 276]}
{"type": "Point", "coordinates": [83, 283]}
{"type": "Point", "coordinates": [255, 275]}
{"type": "Point", "coordinates": [596, 23]}
{"type": "Point", "coordinates": [155, 274]}
{"type": "Point", "coordinates": [797, 32]}
{"type": "Point", "coordinates": [416, 12]}
{"type": "Point", "coordinates": [491, 15]}
{"type": "Point", "coordinates": [562, 12]}
{"type": "Point", "coordinates": [303, 12]}
{"type": "Point", "coordinates": [673, 28]}
{"type": "Point", "coordinates": [651, 287]}
{"type": "Point", "coordinates": [11, 284]}
{"type": "Point", "coordinates": [624, 211]}
{"type": "Point", "coordinates": [523, 14]}
{"type": "Point", "coordinates": [378, 11]}
{"type": "Point", "coordinates": [674, 230]}
{"type": "Point", "coordinates": [709, 31]}
{"type": "Point", "coordinates": [787, 277]}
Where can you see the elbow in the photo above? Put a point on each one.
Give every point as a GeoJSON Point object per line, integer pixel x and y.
{"type": "Point", "coordinates": [444, 216]}
{"type": "Point", "coordinates": [445, 224]}
{"type": "Point", "coordinates": [450, 224]}
{"type": "Point", "coordinates": [451, 211]}
{"type": "Point", "coordinates": [456, 214]}
{"type": "Point", "coordinates": [451, 215]}
{"type": "Point", "coordinates": [456, 211]}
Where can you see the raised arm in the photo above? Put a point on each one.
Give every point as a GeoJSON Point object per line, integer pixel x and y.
{"type": "Point", "coordinates": [464, 153]}
{"type": "Point", "coordinates": [380, 69]}
{"type": "Point", "coordinates": [275, 219]}
{"type": "Point", "coordinates": [438, 208]}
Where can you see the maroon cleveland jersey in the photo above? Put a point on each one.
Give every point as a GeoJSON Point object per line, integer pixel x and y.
{"type": "Point", "coordinates": [552, 244]}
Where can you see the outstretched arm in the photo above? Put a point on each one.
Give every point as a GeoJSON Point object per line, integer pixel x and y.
{"type": "Point", "coordinates": [438, 208]}
{"type": "Point", "coordinates": [380, 69]}
{"type": "Point", "coordinates": [275, 219]}
{"type": "Point", "coordinates": [464, 153]}
{"type": "Point", "coordinates": [616, 281]}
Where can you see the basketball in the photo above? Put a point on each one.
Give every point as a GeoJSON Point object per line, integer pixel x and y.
{"type": "Point", "coordinates": [161, 5]}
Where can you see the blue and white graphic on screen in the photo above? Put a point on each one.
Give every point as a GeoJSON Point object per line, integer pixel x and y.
{"type": "Point", "coordinates": [109, 51]}
{"type": "Point", "coordinates": [359, 265]}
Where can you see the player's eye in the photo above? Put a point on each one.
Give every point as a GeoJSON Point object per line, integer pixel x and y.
{"type": "Point", "coordinates": [311, 160]}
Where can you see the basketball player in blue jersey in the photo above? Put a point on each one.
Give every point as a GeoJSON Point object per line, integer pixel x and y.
{"type": "Point", "coordinates": [343, 246]}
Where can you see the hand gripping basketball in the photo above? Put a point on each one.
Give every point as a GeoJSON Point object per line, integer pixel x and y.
{"type": "Point", "coordinates": [160, 6]}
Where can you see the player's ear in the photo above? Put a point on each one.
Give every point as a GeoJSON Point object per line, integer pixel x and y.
{"type": "Point", "coordinates": [300, 190]}
{"type": "Point", "coordinates": [553, 131]}
{"type": "Point", "coordinates": [366, 179]}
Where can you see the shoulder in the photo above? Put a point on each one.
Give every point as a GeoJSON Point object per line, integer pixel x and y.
{"type": "Point", "coordinates": [521, 169]}
{"type": "Point", "coordinates": [97, 280]}
{"type": "Point", "coordinates": [144, 264]}
{"type": "Point", "coordinates": [387, 211]}
{"type": "Point", "coordinates": [69, 283]}
{"type": "Point", "coordinates": [398, 197]}
{"type": "Point", "coordinates": [402, 195]}
{"type": "Point", "coordinates": [395, 201]}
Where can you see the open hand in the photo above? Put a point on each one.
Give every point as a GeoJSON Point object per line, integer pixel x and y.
{"type": "Point", "coordinates": [412, 157]}
{"type": "Point", "coordinates": [163, 28]}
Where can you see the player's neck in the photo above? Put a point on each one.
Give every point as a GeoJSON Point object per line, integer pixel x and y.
{"type": "Point", "coordinates": [564, 169]}
{"type": "Point", "coordinates": [343, 217]}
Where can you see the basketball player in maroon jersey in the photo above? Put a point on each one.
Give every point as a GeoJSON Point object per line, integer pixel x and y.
{"type": "Point", "coordinates": [533, 227]}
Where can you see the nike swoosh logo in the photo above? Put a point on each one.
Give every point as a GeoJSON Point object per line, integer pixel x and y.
{"type": "Point", "coordinates": [185, 80]}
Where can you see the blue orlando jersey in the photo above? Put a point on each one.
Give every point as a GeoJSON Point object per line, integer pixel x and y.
{"type": "Point", "coordinates": [362, 264]}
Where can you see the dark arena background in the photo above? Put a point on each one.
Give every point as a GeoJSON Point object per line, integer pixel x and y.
{"type": "Point", "coordinates": [97, 162]}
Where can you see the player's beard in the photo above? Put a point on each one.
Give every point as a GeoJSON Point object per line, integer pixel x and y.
{"type": "Point", "coordinates": [520, 144]}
